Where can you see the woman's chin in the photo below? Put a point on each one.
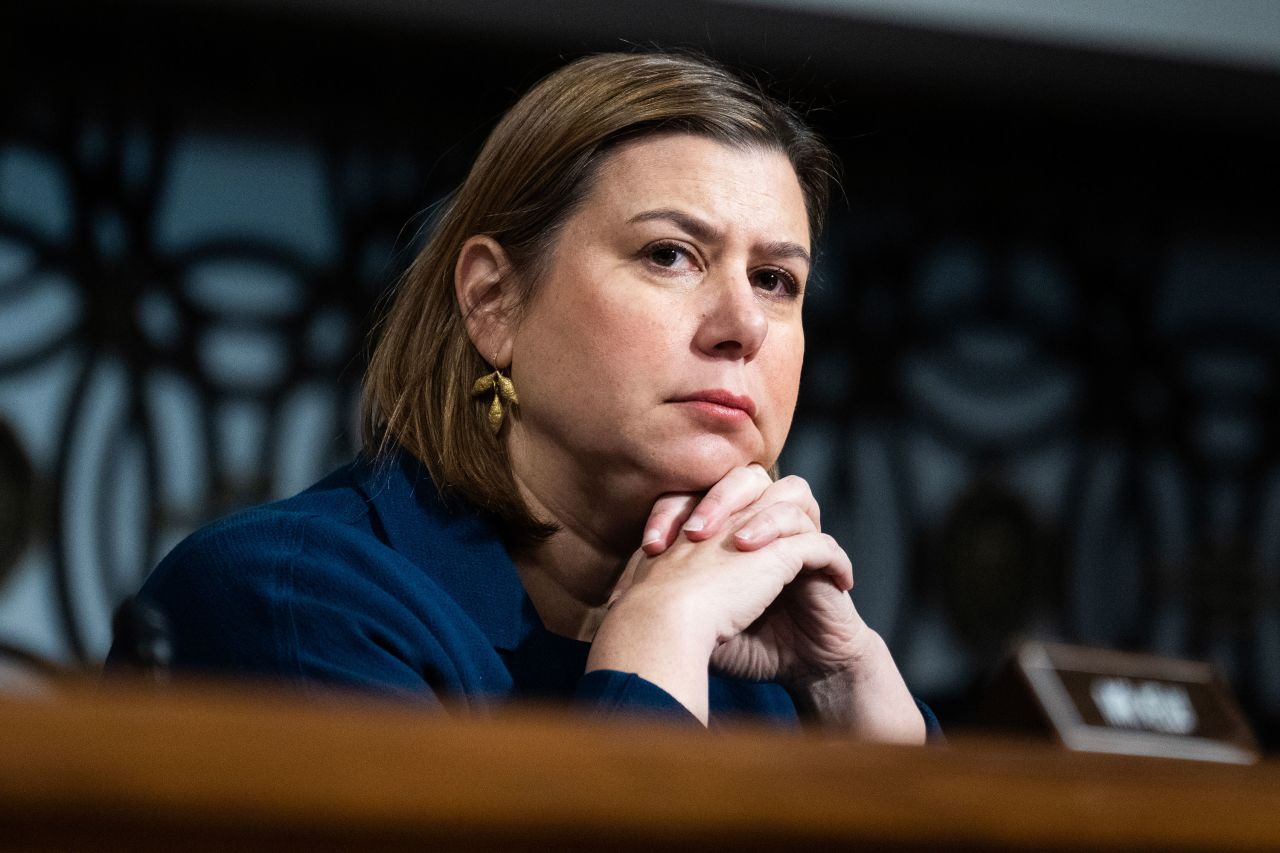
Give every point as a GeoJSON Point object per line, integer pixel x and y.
{"type": "Point", "coordinates": [698, 471]}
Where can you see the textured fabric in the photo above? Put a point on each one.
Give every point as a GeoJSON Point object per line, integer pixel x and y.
{"type": "Point", "coordinates": [368, 580]}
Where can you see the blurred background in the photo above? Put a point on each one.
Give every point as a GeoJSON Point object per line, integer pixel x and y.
{"type": "Point", "coordinates": [1042, 396]}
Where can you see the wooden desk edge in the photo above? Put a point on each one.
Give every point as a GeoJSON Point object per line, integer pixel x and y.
{"type": "Point", "coordinates": [231, 765]}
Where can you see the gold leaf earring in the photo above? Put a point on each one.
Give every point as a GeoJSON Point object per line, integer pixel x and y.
{"type": "Point", "coordinates": [504, 390]}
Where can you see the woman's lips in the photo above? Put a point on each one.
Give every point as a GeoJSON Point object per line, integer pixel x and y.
{"type": "Point", "coordinates": [719, 403]}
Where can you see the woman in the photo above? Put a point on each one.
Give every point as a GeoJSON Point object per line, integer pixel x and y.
{"type": "Point", "coordinates": [577, 397]}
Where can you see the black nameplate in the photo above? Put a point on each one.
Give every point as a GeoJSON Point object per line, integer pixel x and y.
{"type": "Point", "coordinates": [1097, 700]}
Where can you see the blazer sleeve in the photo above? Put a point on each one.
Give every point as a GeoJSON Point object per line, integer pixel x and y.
{"type": "Point", "coordinates": [289, 598]}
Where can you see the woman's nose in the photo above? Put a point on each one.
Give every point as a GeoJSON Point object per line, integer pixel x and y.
{"type": "Point", "coordinates": [734, 324]}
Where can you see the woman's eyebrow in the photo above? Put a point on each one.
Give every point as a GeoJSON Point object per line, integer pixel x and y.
{"type": "Point", "coordinates": [786, 249]}
{"type": "Point", "coordinates": [704, 231]}
{"type": "Point", "coordinates": [692, 225]}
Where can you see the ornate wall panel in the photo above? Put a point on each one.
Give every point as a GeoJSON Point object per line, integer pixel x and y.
{"type": "Point", "coordinates": [184, 311]}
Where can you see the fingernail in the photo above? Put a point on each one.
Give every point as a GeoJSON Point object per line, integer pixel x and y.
{"type": "Point", "coordinates": [695, 523]}
{"type": "Point", "coordinates": [748, 534]}
{"type": "Point", "coordinates": [651, 536]}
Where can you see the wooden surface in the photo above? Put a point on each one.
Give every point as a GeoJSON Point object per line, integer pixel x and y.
{"type": "Point", "coordinates": [204, 770]}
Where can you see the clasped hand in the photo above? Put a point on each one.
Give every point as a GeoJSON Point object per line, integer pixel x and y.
{"type": "Point", "coordinates": [754, 568]}
{"type": "Point", "coordinates": [743, 581]}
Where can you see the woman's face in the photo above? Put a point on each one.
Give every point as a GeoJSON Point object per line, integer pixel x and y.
{"type": "Point", "coordinates": [663, 343]}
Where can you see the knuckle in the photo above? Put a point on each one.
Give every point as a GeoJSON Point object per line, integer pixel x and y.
{"type": "Point", "coordinates": [661, 513]}
{"type": "Point", "coordinates": [775, 519]}
{"type": "Point", "coordinates": [797, 489]}
{"type": "Point", "coordinates": [710, 503]}
{"type": "Point", "coordinates": [796, 484]}
{"type": "Point", "coordinates": [662, 522]}
{"type": "Point", "coordinates": [792, 514]}
{"type": "Point", "coordinates": [669, 504]}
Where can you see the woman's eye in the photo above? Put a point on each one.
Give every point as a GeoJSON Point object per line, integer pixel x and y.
{"type": "Point", "coordinates": [670, 256]}
{"type": "Point", "coordinates": [775, 281]}
{"type": "Point", "coordinates": [665, 256]}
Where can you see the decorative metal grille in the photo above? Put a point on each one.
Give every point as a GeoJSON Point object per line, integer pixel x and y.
{"type": "Point", "coordinates": [183, 319]}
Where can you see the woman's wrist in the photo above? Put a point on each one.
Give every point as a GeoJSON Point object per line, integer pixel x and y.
{"type": "Point", "coordinates": [824, 696]}
{"type": "Point", "coordinates": [658, 641]}
{"type": "Point", "coordinates": [866, 698]}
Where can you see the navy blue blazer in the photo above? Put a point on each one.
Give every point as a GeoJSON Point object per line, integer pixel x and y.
{"type": "Point", "coordinates": [368, 580]}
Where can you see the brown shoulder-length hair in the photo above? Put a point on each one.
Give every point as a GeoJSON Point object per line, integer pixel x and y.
{"type": "Point", "coordinates": [535, 168]}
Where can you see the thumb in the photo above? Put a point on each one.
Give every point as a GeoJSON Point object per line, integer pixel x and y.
{"type": "Point", "coordinates": [668, 513]}
{"type": "Point", "coordinates": [626, 579]}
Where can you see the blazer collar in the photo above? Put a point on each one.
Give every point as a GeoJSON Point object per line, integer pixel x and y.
{"type": "Point", "coordinates": [454, 544]}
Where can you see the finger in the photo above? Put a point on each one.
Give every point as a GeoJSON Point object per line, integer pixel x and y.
{"type": "Point", "coordinates": [816, 552]}
{"type": "Point", "coordinates": [662, 528]}
{"type": "Point", "coordinates": [736, 490]}
{"type": "Point", "coordinates": [769, 523]}
{"type": "Point", "coordinates": [775, 567]}
{"type": "Point", "coordinates": [793, 489]}
{"type": "Point", "coordinates": [840, 568]}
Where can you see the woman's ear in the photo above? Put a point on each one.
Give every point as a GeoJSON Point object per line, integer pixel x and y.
{"type": "Point", "coordinates": [481, 280]}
